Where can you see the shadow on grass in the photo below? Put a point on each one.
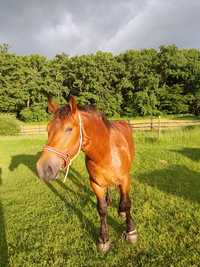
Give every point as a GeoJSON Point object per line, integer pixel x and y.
{"type": "Point", "coordinates": [24, 159]}
{"type": "Point", "coordinates": [177, 180]}
{"type": "Point", "coordinates": [192, 153]}
{"type": "Point", "coordinates": [3, 241]}
{"type": "Point", "coordinates": [83, 190]}
{"type": "Point", "coordinates": [86, 223]}
{"type": "Point", "coordinates": [85, 199]}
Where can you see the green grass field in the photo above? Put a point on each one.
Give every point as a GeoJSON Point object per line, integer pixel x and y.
{"type": "Point", "coordinates": [57, 225]}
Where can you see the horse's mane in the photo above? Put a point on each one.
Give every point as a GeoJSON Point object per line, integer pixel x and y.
{"type": "Point", "coordinates": [91, 109]}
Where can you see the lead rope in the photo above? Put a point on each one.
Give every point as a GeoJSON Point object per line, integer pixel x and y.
{"type": "Point", "coordinates": [79, 149]}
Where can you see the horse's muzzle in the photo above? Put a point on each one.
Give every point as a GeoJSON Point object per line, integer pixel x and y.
{"type": "Point", "coordinates": [48, 170]}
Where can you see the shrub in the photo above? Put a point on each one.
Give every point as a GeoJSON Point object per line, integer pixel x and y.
{"type": "Point", "coordinates": [33, 114]}
{"type": "Point", "coordinates": [9, 126]}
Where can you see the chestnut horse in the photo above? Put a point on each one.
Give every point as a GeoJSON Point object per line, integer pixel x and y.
{"type": "Point", "coordinates": [109, 151]}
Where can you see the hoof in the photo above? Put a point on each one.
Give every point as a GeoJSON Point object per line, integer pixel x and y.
{"type": "Point", "coordinates": [122, 214]}
{"type": "Point", "coordinates": [103, 247]}
{"type": "Point", "coordinates": [131, 237]}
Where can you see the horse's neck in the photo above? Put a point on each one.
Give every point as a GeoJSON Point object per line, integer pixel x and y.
{"type": "Point", "coordinates": [95, 136]}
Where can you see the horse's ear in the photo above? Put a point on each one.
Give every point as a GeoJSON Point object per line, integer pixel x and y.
{"type": "Point", "coordinates": [52, 106]}
{"type": "Point", "coordinates": [73, 104]}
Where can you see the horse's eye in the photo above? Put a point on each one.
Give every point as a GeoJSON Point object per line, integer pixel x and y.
{"type": "Point", "coordinates": [68, 129]}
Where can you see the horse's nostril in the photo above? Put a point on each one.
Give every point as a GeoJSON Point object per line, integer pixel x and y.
{"type": "Point", "coordinates": [49, 172]}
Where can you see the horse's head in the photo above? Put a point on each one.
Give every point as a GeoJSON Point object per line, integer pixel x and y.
{"type": "Point", "coordinates": [64, 140]}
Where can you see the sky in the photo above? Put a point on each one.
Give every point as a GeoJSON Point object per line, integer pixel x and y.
{"type": "Point", "coordinates": [80, 27]}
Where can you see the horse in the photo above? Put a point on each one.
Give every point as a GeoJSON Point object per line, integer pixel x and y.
{"type": "Point", "coordinates": [109, 152]}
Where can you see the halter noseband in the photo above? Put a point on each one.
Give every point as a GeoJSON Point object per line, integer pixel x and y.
{"type": "Point", "coordinates": [67, 157]}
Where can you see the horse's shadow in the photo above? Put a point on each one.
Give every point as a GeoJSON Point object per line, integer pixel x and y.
{"type": "Point", "coordinates": [25, 159]}
{"type": "Point", "coordinates": [83, 191]}
{"type": "Point", "coordinates": [3, 241]}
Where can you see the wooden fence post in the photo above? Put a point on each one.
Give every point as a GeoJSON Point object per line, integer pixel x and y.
{"type": "Point", "coordinates": [151, 125]}
{"type": "Point", "coordinates": [159, 128]}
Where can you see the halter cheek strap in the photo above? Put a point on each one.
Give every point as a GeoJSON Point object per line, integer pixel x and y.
{"type": "Point", "coordinates": [67, 157]}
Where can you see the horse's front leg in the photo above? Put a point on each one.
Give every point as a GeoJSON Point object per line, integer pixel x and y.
{"type": "Point", "coordinates": [103, 243]}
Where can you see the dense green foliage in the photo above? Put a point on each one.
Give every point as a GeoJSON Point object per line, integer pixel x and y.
{"type": "Point", "coordinates": [57, 225]}
{"type": "Point", "coordinates": [34, 113]}
{"type": "Point", "coordinates": [137, 82]}
{"type": "Point", "coordinates": [9, 126]}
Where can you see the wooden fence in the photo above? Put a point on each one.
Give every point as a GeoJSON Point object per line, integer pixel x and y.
{"type": "Point", "coordinates": [151, 125]}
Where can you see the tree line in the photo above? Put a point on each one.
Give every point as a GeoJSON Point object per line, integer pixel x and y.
{"type": "Point", "coordinates": [136, 82]}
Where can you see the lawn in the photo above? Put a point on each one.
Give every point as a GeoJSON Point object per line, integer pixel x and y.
{"type": "Point", "coordinates": [57, 224]}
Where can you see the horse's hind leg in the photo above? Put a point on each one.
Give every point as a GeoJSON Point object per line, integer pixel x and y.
{"type": "Point", "coordinates": [103, 243]}
{"type": "Point", "coordinates": [124, 211]}
{"type": "Point", "coordinates": [108, 197]}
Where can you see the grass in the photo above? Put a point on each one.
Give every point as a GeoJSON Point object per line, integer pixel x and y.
{"type": "Point", "coordinates": [57, 225]}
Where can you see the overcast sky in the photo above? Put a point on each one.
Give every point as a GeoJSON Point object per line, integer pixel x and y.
{"type": "Point", "coordinates": [79, 27]}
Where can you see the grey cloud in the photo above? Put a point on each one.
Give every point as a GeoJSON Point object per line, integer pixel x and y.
{"type": "Point", "coordinates": [76, 27]}
{"type": "Point", "coordinates": [161, 22]}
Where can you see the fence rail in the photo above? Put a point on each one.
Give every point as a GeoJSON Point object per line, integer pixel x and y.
{"type": "Point", "coordinates": [33, 129]}
{"type": "Point", "coordinates": [159, 125]}
{"type": "Point", "coordinates": [152, 125]}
